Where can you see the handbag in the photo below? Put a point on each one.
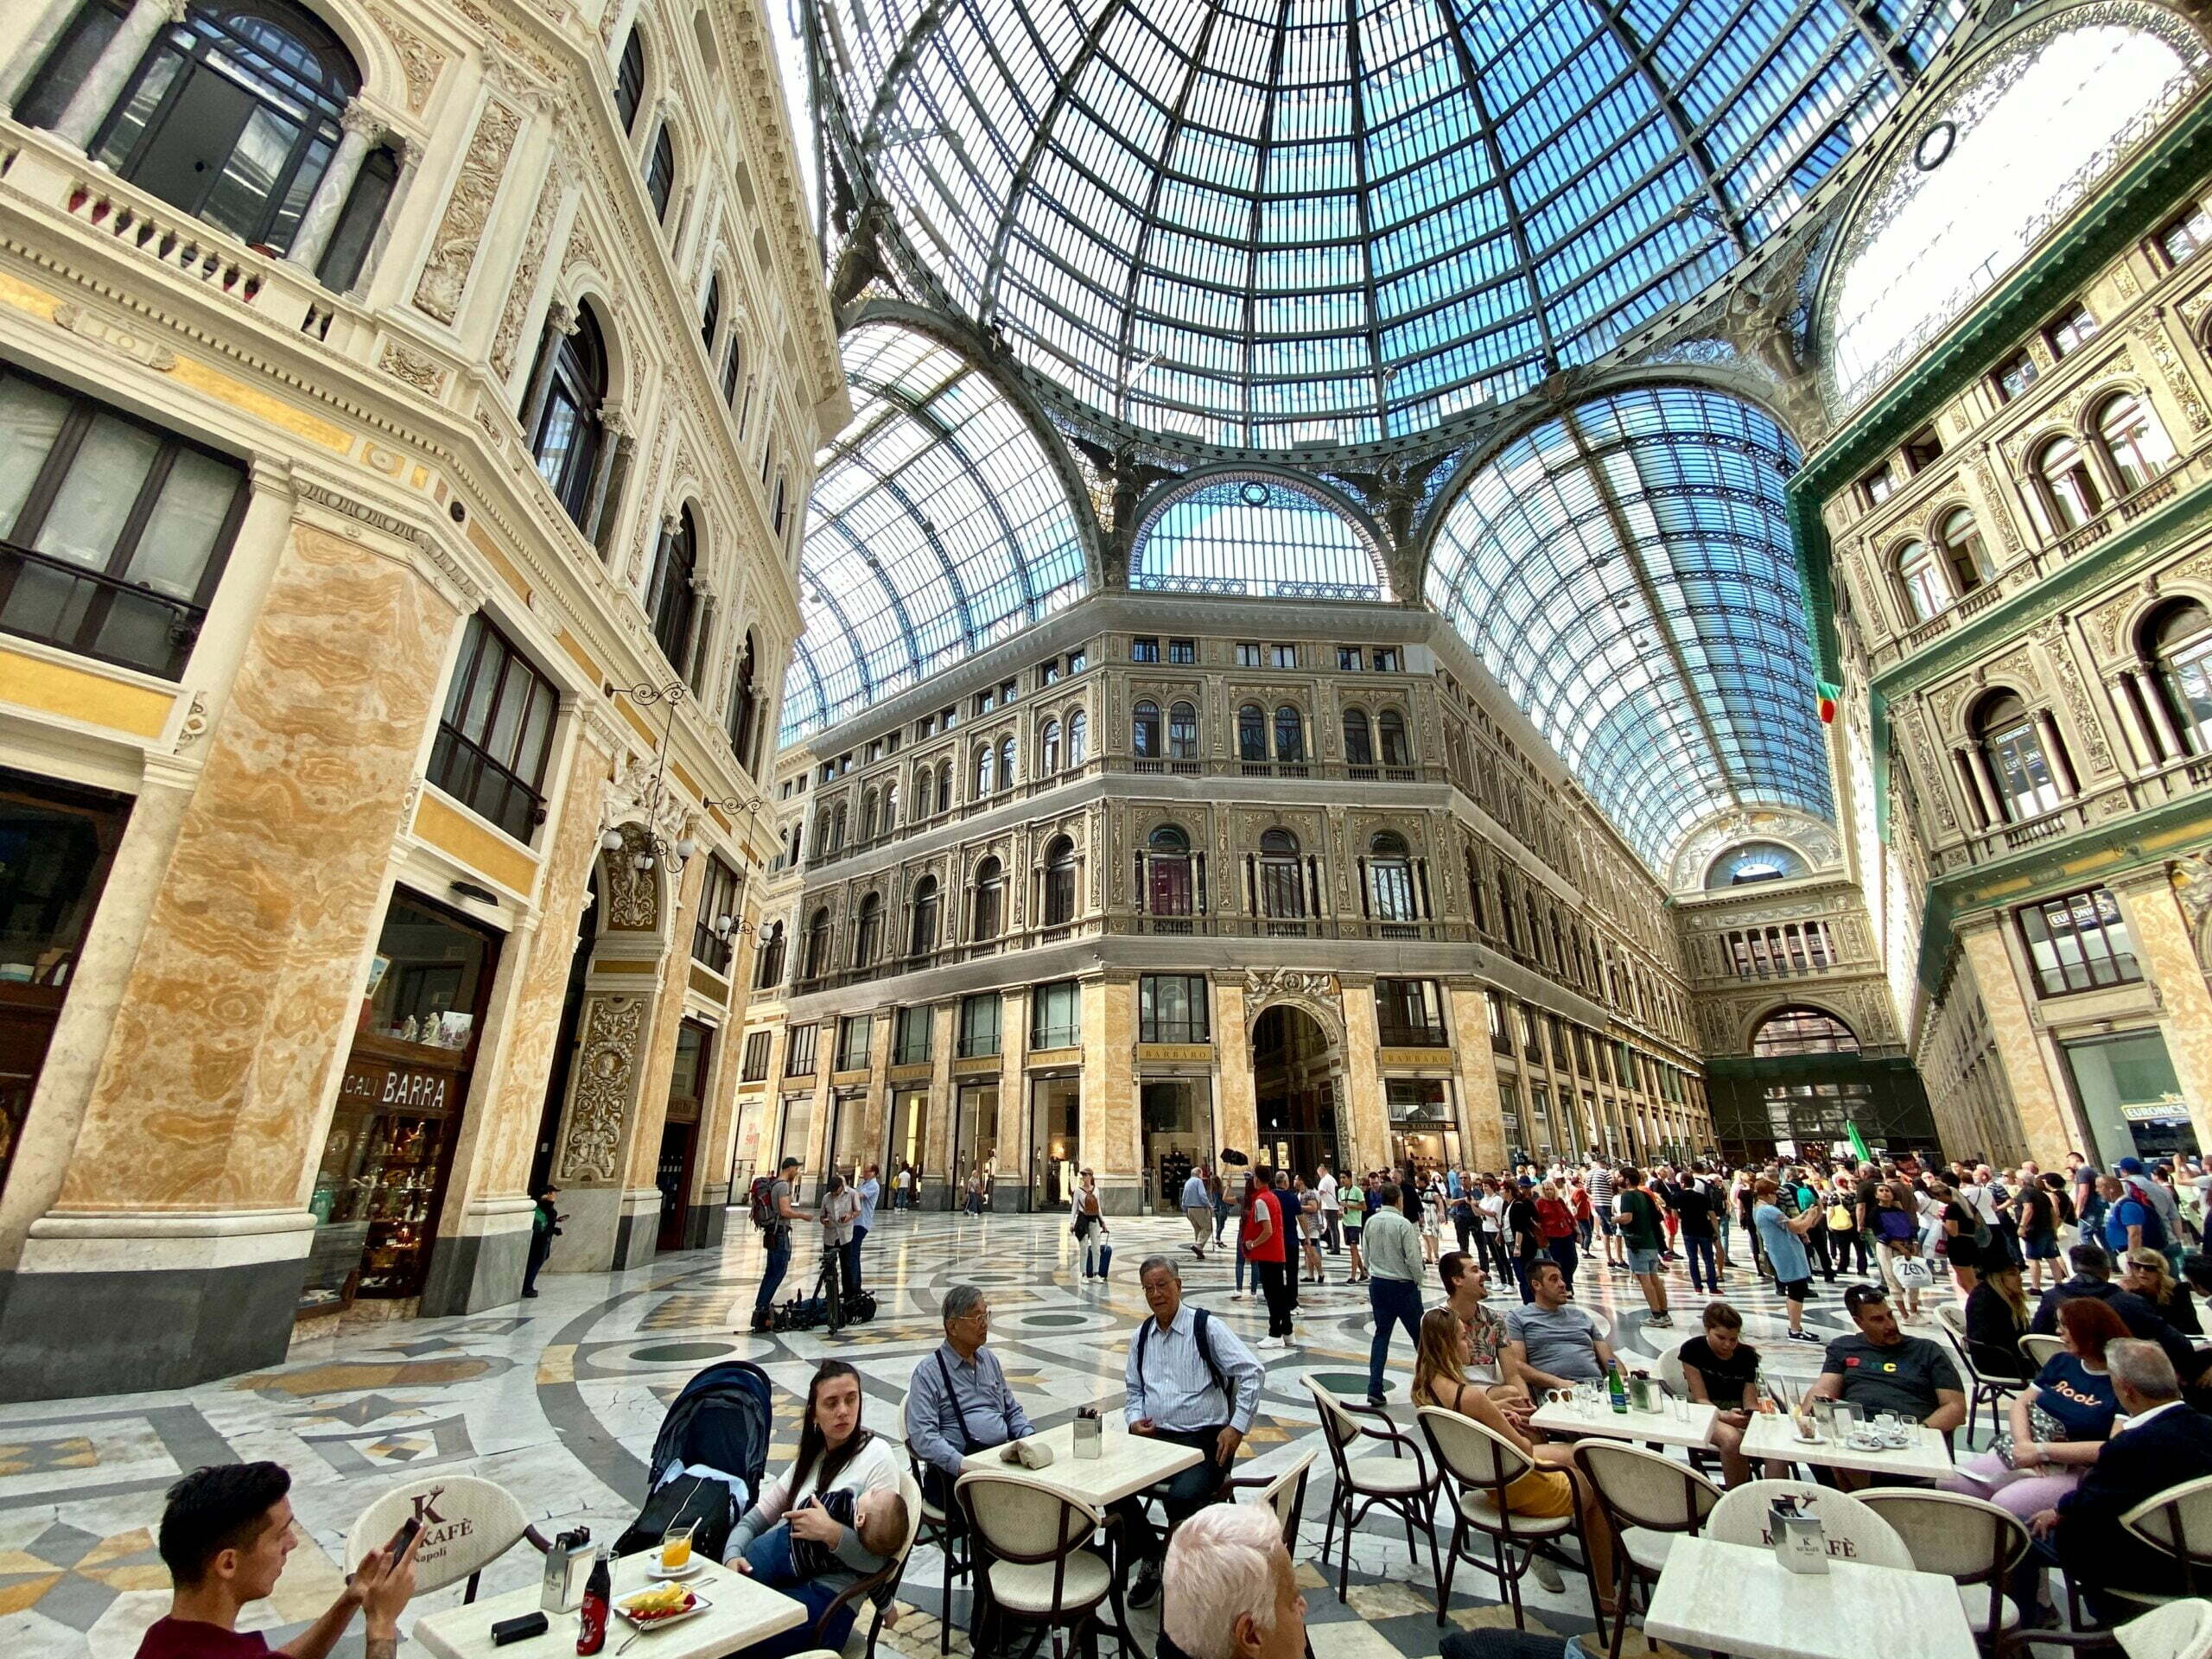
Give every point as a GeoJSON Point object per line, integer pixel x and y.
{"type": "Point", "coordinates": [1913, 1272]}
{"type": "Point", "coordinates": [1839, 1218]}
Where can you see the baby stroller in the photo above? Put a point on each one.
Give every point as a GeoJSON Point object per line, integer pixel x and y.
{"type": "Point", "coordinates": [708, 1459]}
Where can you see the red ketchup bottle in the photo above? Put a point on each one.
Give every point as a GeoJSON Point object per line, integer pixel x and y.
{"type": "Point", "coordinates": [599, 1589]}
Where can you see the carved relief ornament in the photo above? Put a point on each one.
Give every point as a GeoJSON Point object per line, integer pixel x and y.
{"type": "Point", "coordinates": [591, 1145]}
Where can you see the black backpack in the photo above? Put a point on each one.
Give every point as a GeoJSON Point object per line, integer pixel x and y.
{"type": "Point", "coordinates": [1205, 1352]}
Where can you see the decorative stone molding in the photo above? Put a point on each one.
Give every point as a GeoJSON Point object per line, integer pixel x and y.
{"type": "Point", "coordinates": [420, 62]}
{"type": "Point", "coordinates": [2192, 884]}
{"type": "Point", "coordinates": [1313, 993]}
{"type": "Point", "coordinates": [535, 241]}
{"type": "Point", "coordinates": [633, 895]}
{"type": "Point", "coordinates": [2051, 636]}
{"type": "Point", "coordinates": [453, 250]}
{"type": "Point", "coordinates": [591, 1143]}
{"type": "Point", "coordinates": [112, 335]}
{"type": "Point", "coordinates": [2151, 329]}
{"type": "Point", "coordinates": [413, 367]}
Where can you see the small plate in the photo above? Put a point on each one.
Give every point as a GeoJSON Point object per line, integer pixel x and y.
{"type": "Point", "coordinates": [699, 1605]}
{"type": "Point", "coordinates": [1867, 1443]}
{"type": "Point", "coordinates": [657, 1570]}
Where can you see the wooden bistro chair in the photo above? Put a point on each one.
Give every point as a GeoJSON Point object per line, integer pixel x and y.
{"type": "Point", "coordinates": [1035, 1569]}
{"type": "Point", "coordinates": [1963, 1538]}
{"type": "Point", "coordinates": [1479, 1464]}
{"type": "Point", "coordinates": [948, 1534]}
{"type": "Point", "coordinates": [1400, 1483]}
{"type": "Point", "coordinates": [2040, 1349]}
{"type": "Point", "coordinates": [1652, 1500]}
{"type": "Point", "coordinates": [1284, 1493]}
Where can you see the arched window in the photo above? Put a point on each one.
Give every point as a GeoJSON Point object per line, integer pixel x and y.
{"type": "Point", "coordinates": [1282, 886]}
{"type": "Point", "coordinates": [1144, 731]}
{"type": "Point", "coordinates": [567, 442]}
{"type": "Point", "coordinates": [777, 512]}
{"type": "Point", "coordinates": [2069, 489]}
{"type": "Point", "coordinates": [1059, 883]}
{"type": "Point", "coordinates": [1963, 550]}
{"type": "Point", "coordinates": [818, 945]}
{"type": "Point", "coordinates": [2027, 787]}
{"type": "Point", "coordinates": [672, 595]}
{"type": "Point", "coordinates": [660, 171]}
{"type": "Point", "coordinates": [990, 899]}
{"type": "Point", "coordinates": [1167, 872]}
{"type": "Point", "coordinates": [231, 115]}
{"type": "Point", "coordinates": [710, 314]}
{"type": "Point", "coordinates": [1359, 741]}
{"type": "Point", "coordinates": [630, 80]}
{"type": "Point", "coordinates": [1290, 735]}
{"type": "Point", "coordinates": [822, 832]}
{"type": "Point", "coordinates": [1803, 1031]}
{"type": "Point", "coordinates": [1251, 732]}
{"type": "Point", "coordinates": [867, 930]}
{"type": "Point", "coordinates": [1182, 732]}
{"type": "Point", "coordinates": [2133, 440]}
{"type": "Point", "coordinates": [944, 785]}
{"type": "Point", "coordinates": [1922, 582]}
{"type": "Point", "coordinates": [923, 937]}
{"type": "Point", "coordinates": [2182, 645]}
{"type": "Point", "coordinates": [1390, 729]}
{"type": "Point", "coordinates": [1078, 739]}
{"type": "Point", "coordinates": [1005, 763]}
{"type": "Point", "coordinates": [1390, 880]}
{"type": "Point", "coordinates": [732, 368]}
{"type": "Point", "coordinates": [1048, 749]}
{"type": "Point", "coordinates": [837, 827]}
{"type": "Point", "coordinates": [890, 808]}
{"type": "Point", "coordinates": [1478, 911]}
{"type": "Point", "coordinates": [985, 773]}
{"type": "Point", "coordinates": [768, 968]}
{"type": "Point", "coordinates": [744, 724]}
{"type": "Point", "coordinates": [923, 779]}
{"type": "Point", "coordinates": [867, 816]}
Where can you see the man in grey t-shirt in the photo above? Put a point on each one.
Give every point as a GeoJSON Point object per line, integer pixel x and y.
{"type": "Point", "coordinates": [1550, 1343]}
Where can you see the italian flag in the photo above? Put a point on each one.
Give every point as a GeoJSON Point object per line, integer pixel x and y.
{"type": "Point", "coordinates": [1826, 696]}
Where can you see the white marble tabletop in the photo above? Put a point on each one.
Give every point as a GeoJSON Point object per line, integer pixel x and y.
{"type": "Point", "coordinates": [742, 1612]}
{"type": "Point", "coordinates": [1127, 1464]}
{"type": "Point", "coordinates": [1738, 1598]}
{"type": "Point", "coordinates": [1770, 1434]}
{"type": "Point", "coordinates": [1650, 1428]}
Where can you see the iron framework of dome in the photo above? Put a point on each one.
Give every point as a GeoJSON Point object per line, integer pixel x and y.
{"type": "Point", "coordinates": [1267, 223]}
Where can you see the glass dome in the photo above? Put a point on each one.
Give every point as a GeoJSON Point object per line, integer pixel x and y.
{"type": "Point", "coordinates": [1301, 222]}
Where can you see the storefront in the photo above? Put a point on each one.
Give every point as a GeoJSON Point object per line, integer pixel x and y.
{"type": "Point", "coordinates": [55, 845]}
{"type": "Point", "coordinates": [798, 1120]}
{"type": "Point", "coordinates": [2128, 1096]}
{"type": "Point", "coordinates": [976, 1139]}
{"type": "Point", "coordinates": [1424, 1131]}
{"type": "Point", "coordinates": [848, 1117]}
{"type": "Point", "coordinates": [909, 1133]}
{"type": "Point", "coordinates": [1179, 1136]}
{"type": "Point", "coordinates": [1055, 1155]}
{"type": "Point", "coordinates": [679, 1137]}
{"type": "Point", "coordinates": [383, 1175]}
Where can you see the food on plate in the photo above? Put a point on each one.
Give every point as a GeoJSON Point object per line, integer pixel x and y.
{"type": "Point", "coordinates": [662, 1601]}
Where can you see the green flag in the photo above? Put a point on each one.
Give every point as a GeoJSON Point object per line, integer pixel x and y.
{"type": "Point", "coordinates": [1857, 1143]}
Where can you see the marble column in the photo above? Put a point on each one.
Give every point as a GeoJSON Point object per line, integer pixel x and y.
{"type": "Point", "coordinates": [2162, 719]}
{"type": "Point", "coordinates": [2142, 752]}
{"type": "Point", "coordinates": [31, 51]}
{"type": "Point", "coordinates": [1110, 1123]}
{"type": "Point", "coordinates": [103, 84]}
{"type": "Point", "coordinates": [1482, 1112]}
{"type": "Point", "coordinates": [2046, 1119]}
{"type": "Point", "coordinates": [636, 1233]}
{"type": "Point", "coordinates": [182, 1217]}
{"type": "Point", "coordinates": [358, 131]}
{"type": "Point", "coordinates": [1985, 782]}
{"type": "Point", "coordinates": [2057, 755]}
{"type": "Point", "coordinates": [2160, 929]}
{"type": "Point", "coordinates": [877, 1122]}
{"type": "Point", "coordinates": [1010, 1189]}
{"type": "Point", "coordinates": [1236, 1109]}
{"type": "Point", "coordinates": [1369, 1124]}
{"type": "Point", "coordinates": [560, 323]}
{"type": "Point", "coordinates": [938, 1147]}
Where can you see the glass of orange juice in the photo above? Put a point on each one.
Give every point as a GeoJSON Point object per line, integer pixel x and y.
{"type": "Point", "coordinates": [676, 1549]}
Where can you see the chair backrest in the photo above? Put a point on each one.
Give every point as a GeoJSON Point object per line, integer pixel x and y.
{"type": "Point", "coordinates": [2179, 1522]}
{"type": "Point", "coordinates": [467, 1523]}
{"type": "Point", "coordinates": [2180, 1630]}
{"type": "Point", "coordinates": [1963, 1538]}
{"type": "Point", "coordinates": [1952, 1319]}
{"type": "Point", "coordinates": [1341, 1427]}
{"type": "Point", "coordinates": [1286, 1495]}
{"type": "Point", "coordinates": [1469, 1453]}
{"type": "Point", "coordinates": [1642, 1489]}
{"type": "Point", "coordinates": [1855, 1532]}
{"type": "Point", "coordinates": [1020, 1519]}
{"type": "Point", "coordinates": [2041, 1349]}
{"type": "Point", "coordinates": [1670, 1373]}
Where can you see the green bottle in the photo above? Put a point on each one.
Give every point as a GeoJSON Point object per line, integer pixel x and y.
{"type": "Point", "coordinates": [1617, 1389]}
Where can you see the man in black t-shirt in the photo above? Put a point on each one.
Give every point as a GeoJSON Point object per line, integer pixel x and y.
{"type": "Point", "coordinates": [1721, 1367]}
{"type": "Point", "coordinates": [1693, 1201]}
{"type": "Point", "coordinates": [1879, 1368]}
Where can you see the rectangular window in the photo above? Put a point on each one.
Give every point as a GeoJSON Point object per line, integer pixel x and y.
{"type": "Point", "coordinates": [1182, 651]}
{"type": "Point", "coordinates": [754, 1067]}
{"type": "Point", "coordinates": [496, 733]}
{"type": "Point", "coordinates": [2185, 237]}
{"type": "Point", "coordinates": [113, 533]}
{"type": "Point", "coordinates": [979, 1026]}
{"type": "Point", "coordinates": [1532, 1040]}
{"type": "Point", "coordinates": [852, 1041]}
{"type": "Point", "coordinates": [947, 719]}
{"type": "Point", "coordinates": [1078, 661]}
{"type": "Point", "coordinates": [875, 752]}
{"type": "Point", "coordinates": [717, 906]}
{"type": "Point", "coordinates": [798, 1052]}
{"type": "Point", "coordinates": [1144, 651]}
{"type": "Point", "coordinates": [1386, 659]}
{"type": "Point", "coordinates": [1008, 690]}
{"type": "Point", "coordinates": [1053, 1022]}
{"type": "Point", "coordinates": [910, 1037]}
{"type": "Point", "coordinates": [1048, 673]}
{"type": "Point", "coordinates": [1348, 659]}
{"type": "Point", "coordinates": [1876, 486]}
{"type": "Point", "coordinates": [2078, 942]}
{"type": "Point", "coordinates": [2072, 329]}
{"type": "Point", "coordinates": [1501, 1034]}
{"type": "Point", "coordinates": [1409, 1013]}
{"type": "Point", "coordinates": [984, 702]}
{"type": "Point", "coordinates": [1248, 654]}
{"type": "Point", "coordinates": [1283, 655]}
{"type": "Point", "coordinates": [1172, 1008]}
{"type": "Point", "coordinates": [1923, 450]}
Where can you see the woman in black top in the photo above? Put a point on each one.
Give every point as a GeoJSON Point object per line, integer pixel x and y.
{"type": "Point", "coordinates": [2035, 1212]}
{"type": "Point", "coordinates": [1996, 1318]}
{"type": "Point", "coordinates": [1720, 1369]}
{"type": "Point", "coordinates": [1961, 1224]}
{"type": "Point", "coordinates": [2144, 1272]}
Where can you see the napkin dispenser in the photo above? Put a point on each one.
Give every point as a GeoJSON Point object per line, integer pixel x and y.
{"type": "Point", "coordinates": [1801, 1542]}
{"type": "Point", "coordinates": [1089, 1433]}
{"type": "Point", "coordinates": [1641, 1394]}
{"type": "Point", "coordinates": [1030, 1454]}
{"type": "Point", "coordinates": [567, 1566]}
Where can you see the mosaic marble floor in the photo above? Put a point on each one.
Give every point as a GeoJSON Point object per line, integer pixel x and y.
{"type": "Point", "coordinates": [558, 1399]}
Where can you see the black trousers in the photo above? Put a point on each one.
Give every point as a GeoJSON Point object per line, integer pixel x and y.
{"type": "Point", "coordinates": [1182, 1496]}
{"type": "Point", "coordinates": [1274, 1285]}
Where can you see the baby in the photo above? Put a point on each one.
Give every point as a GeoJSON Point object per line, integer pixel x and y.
{"type": "Point", "coordinates": [878, 1516]}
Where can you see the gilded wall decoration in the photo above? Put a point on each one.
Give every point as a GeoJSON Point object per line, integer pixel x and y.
{"type": "Point", "coordinates": [2151, 331]}
{"type": "Point", "coordinates": [2108, 619]}
{"type": "Point", "coordinates": [632, 894]}
{"type": "Point", "coordinates": [2192, 880]}
{"type": "Point", "coordinates": [453, 251]}
{"type": "Point", "coordinates": [504, 343]}
{"type": "Point", "coordinates": [419, 61]}
{"type": "Point", "coordinates": [591, 1145]}
{"type": "Point", "coordinates": [2052, 638]}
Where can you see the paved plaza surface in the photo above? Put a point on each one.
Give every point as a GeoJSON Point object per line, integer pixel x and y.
{"type": "Point", "coordinates": [558, 1399]}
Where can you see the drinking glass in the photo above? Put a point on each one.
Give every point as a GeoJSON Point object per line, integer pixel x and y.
{"type": "Point", "coordinates": [676, 1547]}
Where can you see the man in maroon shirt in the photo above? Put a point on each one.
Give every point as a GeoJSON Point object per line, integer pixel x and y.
{"type": "Point", "coordinates": [223, 1538]}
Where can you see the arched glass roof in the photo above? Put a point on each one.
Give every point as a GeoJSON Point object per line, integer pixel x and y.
{"type": "Point", "coordinates": [938, 526]}
{"type": "Point", "coordinates": [1625, 571]}
{"type": "Point", "coordinates": [1269, 222]}
{"type": "Point", "coordinates": [1254, 534]}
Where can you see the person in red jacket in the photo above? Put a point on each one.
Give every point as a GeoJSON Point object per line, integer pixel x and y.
{"type": "Point", "coordinates": [1556, 1217]}
{"type": "Point", "coordinates": [1266, 1227]}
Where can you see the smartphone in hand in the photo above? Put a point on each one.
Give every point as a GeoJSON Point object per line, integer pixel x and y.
{"type": "Point", "coordinates": [400, 1540]}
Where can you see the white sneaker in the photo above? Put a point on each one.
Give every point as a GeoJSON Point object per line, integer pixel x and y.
{"type": "Point", "coordinates": [1546, 1575]}
{"type": "Point", "coordinates": [1270, 1343]}
{"type": "Point", "coordinates": [1239, 1296]}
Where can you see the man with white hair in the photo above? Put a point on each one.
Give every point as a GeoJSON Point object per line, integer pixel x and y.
{"type": "Point", "coordinates": [1228, 1593]}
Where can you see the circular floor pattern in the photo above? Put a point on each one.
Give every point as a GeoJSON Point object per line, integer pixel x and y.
{"type": "Point", "coordinates": [673, 1353]}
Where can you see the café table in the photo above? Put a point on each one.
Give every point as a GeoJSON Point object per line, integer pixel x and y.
{"type": "Point", "coordinates": [1739, 1599]}
{"type": "Point", "coordinates": [741, 1613]}
{"type": "Point", "coordinates": [1126, 1466]}
{"type": "Point", "coordinates": [1770, 1434]}
{"type": "Point", "coordinates": [1661, 1427]}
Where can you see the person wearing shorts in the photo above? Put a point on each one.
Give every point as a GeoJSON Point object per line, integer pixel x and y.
{"type": "Point", "coordinates": [1643, 1231]}
{"type": "Point", "coordinates": [1784, 1239]}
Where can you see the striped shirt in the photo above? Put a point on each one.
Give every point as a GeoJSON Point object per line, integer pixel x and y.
{"type": "Point", "coordinates": [1599, 1186]}
{"type": "Point", "coordinates": [1176, 1390]}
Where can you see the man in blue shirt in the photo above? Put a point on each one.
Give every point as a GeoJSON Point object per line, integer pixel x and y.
{"type": "Point", "coordinates": [869, 1191]}
{"type": "Point", "coordinates": [2130, 1223]}
{"type": "Point", "coordinates": [1784, 1239]}
{"type": "Point", "coordinates": [1203, 1397]}
{"type": "Point", "coordinates": [957, 1402]}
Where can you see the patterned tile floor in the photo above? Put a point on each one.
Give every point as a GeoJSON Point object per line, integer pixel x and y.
{"type": "Point", "coordinates": [558, 1399]}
